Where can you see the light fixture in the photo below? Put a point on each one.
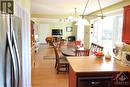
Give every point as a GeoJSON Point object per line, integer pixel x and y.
{"type": "Point", "coordinates": [85, 21]}
{"type": "Point", "coordinates": [100, 9]}
{"type": "Point", "coordinates": [82, 21]}
{"type": "Point", "coordinates": [72, 18]}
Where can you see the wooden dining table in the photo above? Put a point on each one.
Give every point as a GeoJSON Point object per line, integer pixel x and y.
{"type": "Point", "coordinates": [70, 51]}
{"type": "Point", "coordinates": [66, 51]}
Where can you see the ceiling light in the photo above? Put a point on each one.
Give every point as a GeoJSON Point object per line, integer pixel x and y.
{"type": "Point", "coordinates": [97, 15]}
{"type": "Point", "coordinates": [73, 18]}
{"type": "Point", "coordinates": [83, 21]}
{"type": "Point", "coordinates": [100, 8]}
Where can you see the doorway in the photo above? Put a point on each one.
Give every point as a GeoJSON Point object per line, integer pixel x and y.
{"type": "Point", "coordinates": [43, 32]}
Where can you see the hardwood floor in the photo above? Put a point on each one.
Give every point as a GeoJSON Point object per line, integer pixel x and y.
{"type": "Point", "coordinates": [43, 70]}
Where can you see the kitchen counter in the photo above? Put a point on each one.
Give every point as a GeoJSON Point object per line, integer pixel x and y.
{"type": "Point", "coordinates": [87, 71]}
{"type": "Point", "coordinates": [94, 64]}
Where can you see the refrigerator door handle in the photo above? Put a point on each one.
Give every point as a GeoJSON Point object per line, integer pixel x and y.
{"type": "Point", "coordinates": [12, 58]}
{"type": "Point", "coordinates": [17, 56]}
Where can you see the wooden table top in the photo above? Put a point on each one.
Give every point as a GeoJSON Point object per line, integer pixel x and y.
{"type": "Point", "coordinates": [70, 51]}
{"type": "Point", "coordinates": [94, 64]}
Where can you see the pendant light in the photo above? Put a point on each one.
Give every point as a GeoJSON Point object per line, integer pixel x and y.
{"type": "Point", "coordinates": [82, 21]}
{"type": "Point", "coordinates": [85, 21]}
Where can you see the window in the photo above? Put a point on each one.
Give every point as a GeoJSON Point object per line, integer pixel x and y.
{"type": "Point", "coordinates": [107, 31]}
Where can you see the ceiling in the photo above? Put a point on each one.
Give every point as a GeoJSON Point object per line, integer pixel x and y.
{"type": "Point", "coordinates": [66, 7]}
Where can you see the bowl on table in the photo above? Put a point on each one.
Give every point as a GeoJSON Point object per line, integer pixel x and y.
{"type": "Point", "coordinates": [99, 54]}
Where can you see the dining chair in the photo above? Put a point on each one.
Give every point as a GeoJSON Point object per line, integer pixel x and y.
{"type": "Point", "coordinates": [55, 46]}
{"type": "Point", "coordinates": [78, 43]}
{"type": "Point", "coordinates": [84, 52]}
{"type": "Point", "coordinates": [99, 48]}
{"type": "Point", "coordinates": [94, 48]}
{"type": "Point", "coordinates": [61, 63]}
{"type": "Point", "coordinates": [71, 44]}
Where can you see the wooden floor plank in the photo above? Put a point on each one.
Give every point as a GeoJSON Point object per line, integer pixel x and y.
{"type": "Point", "coordinates": [43, 71]}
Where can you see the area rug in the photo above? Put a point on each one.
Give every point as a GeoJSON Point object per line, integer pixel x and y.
{"type": "Point", "coordinates": [47, 52]}
{"type": "Point", "coordinates": [49, 57]}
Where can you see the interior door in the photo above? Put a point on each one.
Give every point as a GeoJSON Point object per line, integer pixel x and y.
{"type": "Point", "coordinates": [43, 32]}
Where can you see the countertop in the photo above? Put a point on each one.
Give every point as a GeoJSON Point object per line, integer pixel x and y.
{"type": "Point", "coordinates": [95, 64]}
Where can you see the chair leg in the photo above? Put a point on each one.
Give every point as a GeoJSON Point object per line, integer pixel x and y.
{"type": "Point", "coordinates": [67, 68]}
{"type": "Point", "coordinates": [56, 64]}
{"type": "Point", "coordinates": [58, 67]}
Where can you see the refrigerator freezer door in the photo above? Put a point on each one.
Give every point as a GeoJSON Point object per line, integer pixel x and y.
{"type": "Point", "coordinates": [17, 46]}
{"type": "Point", "coordinates": [3, 29]}
{"type": "Point", "coordinates": [13, 62]}
{"type": "Point", "coordinates": [17, 58]}
{"type": "Point", "coordinates": [2, 52]}
{"type": "Point", "coordinates": [10, 49]}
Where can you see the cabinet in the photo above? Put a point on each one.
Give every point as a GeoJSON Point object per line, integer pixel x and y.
{"type": "Point", "coordinates": [90, 79]}
{"type": "Point", "coordinates": [91, 71]}
{"type": "Point", "coordinates": [32, 33]}
{"type": "Point", "coordinates": [98, 79]}
{"type": "Point", "coordinates": [95, 81]}
{"type": "Point", "coordinates": [126, 25]}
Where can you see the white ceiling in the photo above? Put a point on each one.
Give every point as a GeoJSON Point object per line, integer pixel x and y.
{"type": "Point", "coordinates": [66, 7]}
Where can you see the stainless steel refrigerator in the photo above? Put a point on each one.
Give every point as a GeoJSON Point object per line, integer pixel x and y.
{"type": "Point", "coordinates": [10, 51]}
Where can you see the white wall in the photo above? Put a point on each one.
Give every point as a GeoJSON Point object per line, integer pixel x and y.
{"type": "Point", "coordinates": [80, 32]}
{"type": "Point", "coordinates": [43, 32]}
{"type": "Point", "coordinates": [87, 36]}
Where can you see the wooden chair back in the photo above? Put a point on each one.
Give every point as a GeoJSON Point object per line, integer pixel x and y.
{"type": "Point", "coordinates": [56, 53]}
{"type": "Point", "coordinates": [84, 52]}
{"type": "Point", "coordinates": [95, 48]}
{"type": "Point", "coordinates": [78, 43]}
{"type": "Point", "coordinates": [61, 61]}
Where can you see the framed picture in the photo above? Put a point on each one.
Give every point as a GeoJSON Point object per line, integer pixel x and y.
{"type": "Point", "coordinates": [69, 29]}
